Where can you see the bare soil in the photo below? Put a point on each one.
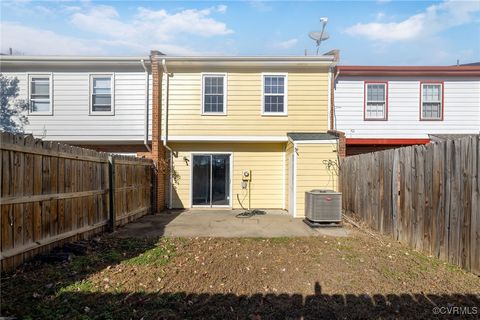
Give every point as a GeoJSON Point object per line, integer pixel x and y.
{"type": "Point", "coordinates": [365, 276]}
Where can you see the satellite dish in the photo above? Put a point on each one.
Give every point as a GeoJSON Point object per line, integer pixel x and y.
{"type": "Point", "coordinates": [319, 36]}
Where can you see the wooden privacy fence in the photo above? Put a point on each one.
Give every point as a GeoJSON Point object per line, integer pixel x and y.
{"type": "Point", "coordinates": [425, 196]}
{"type": "Point", "coordinates": [52, 193]}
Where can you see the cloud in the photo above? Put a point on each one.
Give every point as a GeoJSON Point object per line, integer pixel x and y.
{"type": "Point", "coordinates": [154, 23]}
{"type": "Point", "coordinates": [43, 10]}
{"type": "Point", "coordinates": [147, 26]}
{"type": "Point", "coordinates": [222, 8]}
{"type": "Point", "coordinates": [106, 31]}
{"type": "Point", "coordinates": [287, 44]}
{"type": "Point", "coordinates": [380, 16]}
{"type": "Point", "coordinates": [260, 5]}
{"type": "Point", "coordinates": [43, 42]}
{"type": "Point", "coordinates": [71, 8]}
{"type": "Point", "coordinates": [431, 21]}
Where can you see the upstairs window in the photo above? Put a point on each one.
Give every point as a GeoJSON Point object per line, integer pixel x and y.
{"type": "Point", "coordinates": [40, 94]}
{"type": "Point", "coordinates": [431, 101]}
{"type": "Point", "coordinates": [274, 94]}
{"type": "Point", "coordinates": [375, 101]}
{"type": "Point", "coordinates": [101, 100]}
{"type": "Point", "coordinates": [214, 94]}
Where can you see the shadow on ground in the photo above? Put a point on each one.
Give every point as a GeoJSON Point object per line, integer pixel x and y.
{"type": "Point", "coordinates": [181, 305]}
{"type": "Point", "coordinates": [60, 291]}
{"type": "Point", "coordinates": [71, 264]}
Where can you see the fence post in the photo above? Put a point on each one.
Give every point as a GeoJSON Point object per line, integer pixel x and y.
{"type": "Point", "coordinates": [153, 190]}
{"type": "Point", "coordinates": [111, 192]}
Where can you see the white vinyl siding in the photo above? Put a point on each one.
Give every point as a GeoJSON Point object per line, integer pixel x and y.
{"type": "Point", "coordinates": [40, 94]}
{"type": "Point", "coordinates": [431, 107]}
{"type": "Point", "coordinates": [72, 121]}
{"type": "Point", "coordinates": [214, 94]}
{"type": "Point", "coordinates": [274, 98]}
{"type": "Point", "coordinates": [101, 94]}
{"type": "Point", "coordinates": [461, 112]}
{"type": "Point", "coordinates": [375, 101]}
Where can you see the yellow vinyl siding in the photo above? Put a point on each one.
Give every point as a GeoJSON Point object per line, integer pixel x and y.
{"type": "Point", "coordinates": [307, 105]}
{"type": "Point", "coordinates": [265, 160]}
{"type": "Point", "coordinates": [312, 173]}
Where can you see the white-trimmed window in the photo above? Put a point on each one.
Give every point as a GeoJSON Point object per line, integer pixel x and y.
{"type": "Point", "coordinates": [274, 99]}
{"type": "Point", "coordinates": [101, 94]}
{"type": "Point", "coordinates": [376, 101]}
{"type": "Point", "coordinates": [431, 101]}
{"type": "Point", "coordinates": [40, 94]}
{"type": "Point", "coordinates": [214, 94]}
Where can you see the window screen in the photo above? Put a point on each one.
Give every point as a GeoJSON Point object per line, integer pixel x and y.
{"type": "Point", "coordinates": [376, 101]}
{"type": "Point", "coordinates": [432, 101]}
{"type": "Point", "coordinates": [101, 94]}
{"type": "Point", "coordinates": [40, 101]}
{"type": "Point", "coordinates": [274, 94]}
{"type": "Point", "coordinates": [213, 94]}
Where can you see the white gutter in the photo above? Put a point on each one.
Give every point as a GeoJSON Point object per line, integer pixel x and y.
{"type": "Point", "coordinates": [147, 95]}
{"type": "Point", "coordinates": [167, 87]}
{"type": "Point", "coordinates": [281, 62]}
{"type": "Point", "coordinates": [252, 58]}
{"type": "Point", "coordinates": [52, 58]}
{"type": "Point", "coordinates": [329, 103]}
{"type": "Point", "coordinates": [165, 70]}
{"type": "Point", "coordinates": [72, 58]}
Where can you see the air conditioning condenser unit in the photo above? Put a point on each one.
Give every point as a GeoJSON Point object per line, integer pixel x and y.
{"type": "Point", "coordinates": [323, 206]}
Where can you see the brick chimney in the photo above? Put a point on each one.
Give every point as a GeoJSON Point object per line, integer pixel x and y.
{"type": "Point", "coordinates": [342, 142]}
{"type": "Point", "coordinates": [158, 150]}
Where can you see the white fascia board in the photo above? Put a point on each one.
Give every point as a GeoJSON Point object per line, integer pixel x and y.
{"type": "Point", "coordinates": [12, 62]}
{"type": "Point", "coordinates": [266, 61]}
{"type": "Point", "coordinates": [228, 138]}
{"type": "Point", "coordinates": [73, 58]}
{"type": "Point", "coordinates": [250, 58]}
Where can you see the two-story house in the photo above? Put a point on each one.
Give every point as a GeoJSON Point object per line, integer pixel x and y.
{"type": "Point", "coordinates": [236, 132]}
{"type": "Point", "coordinates": [96, 102]}
{"type": "Point", "coordinates": [391, 106]}
{"type": "Point", "coordinates": [245, 132]}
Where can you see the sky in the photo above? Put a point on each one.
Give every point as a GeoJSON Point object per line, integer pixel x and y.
{"type": "Point", "coordinates": [382, 32]}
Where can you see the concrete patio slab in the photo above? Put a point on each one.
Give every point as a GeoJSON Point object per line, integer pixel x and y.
{"type": "Point", "coordinates": [223, 223]}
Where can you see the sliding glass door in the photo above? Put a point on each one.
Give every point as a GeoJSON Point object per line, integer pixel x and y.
{"type": "Point", "coordinates": [211, 180]}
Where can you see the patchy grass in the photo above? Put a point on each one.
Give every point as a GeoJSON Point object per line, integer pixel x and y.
{"type": "Point", "coordinates": [225, 278]}
{"type": "Point", "coordinates": [156, 256]}
{"type": "Point", "coordinates": [78, 286]}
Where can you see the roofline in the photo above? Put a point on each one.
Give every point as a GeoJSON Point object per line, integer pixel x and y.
{"type": "Point", "coordinates": [248, 61]}
{"type": "Point", "coordinates": [174, 61]}
{"type": "Point", "coordinates": [249, 58]}
{"type": "Point", "coordinates": [34, 62]}
{"type": "Point", "coordinates": [168, 58]}
{"type": "Point", "coordinates": [471, 71]}
{"type": "Point", "coordinates": [74, 58]}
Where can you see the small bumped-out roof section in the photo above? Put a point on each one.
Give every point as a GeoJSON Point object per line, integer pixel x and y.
{"type": "Point", "coordinates": [453, 71]}
{"type": "Point", "coordinates": [301, 136]}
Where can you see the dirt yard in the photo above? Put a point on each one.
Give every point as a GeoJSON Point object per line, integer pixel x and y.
{"type": "Point", "coordinates": [364, 276]}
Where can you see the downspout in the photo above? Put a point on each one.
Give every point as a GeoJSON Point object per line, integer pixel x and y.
{"type": "Point", "coordinates": [167, 87]}
{"type": "Point", "coordinates": [147, 98]}
{"type": "Point", "coordinates": [334, 81]}
{"type": "Point", "coordinates": [329, 98]}
{"type": "Point", "coordinates": [165, 70]}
